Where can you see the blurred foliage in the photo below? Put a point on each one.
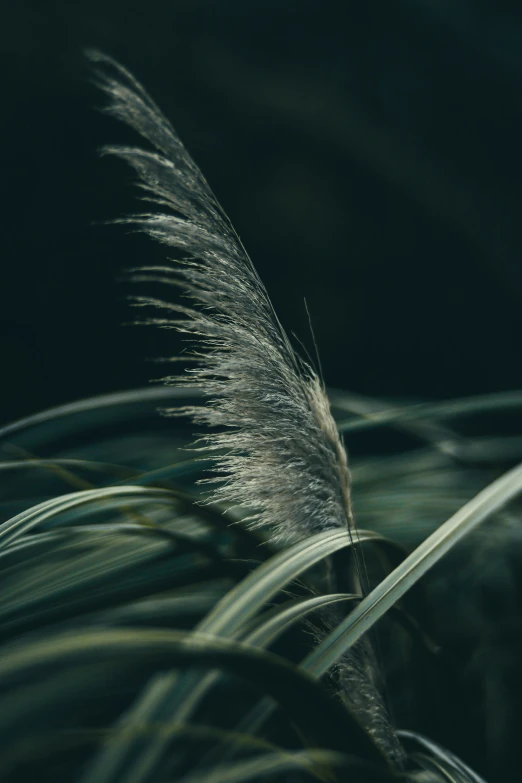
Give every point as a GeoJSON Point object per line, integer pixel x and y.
{"type": "Point", "coordinates": [107, 565]}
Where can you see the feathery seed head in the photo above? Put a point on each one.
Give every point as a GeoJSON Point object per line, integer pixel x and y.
{"type": "Point", "coordinates": [277, 450]}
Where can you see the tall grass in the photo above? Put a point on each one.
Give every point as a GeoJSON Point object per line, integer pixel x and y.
{"type": "Point", "coordinates": [304, 620]}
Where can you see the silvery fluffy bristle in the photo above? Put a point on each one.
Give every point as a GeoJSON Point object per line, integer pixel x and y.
{"type": "Point", "coordinates": [278, 452]}
{"type": "Point", "coordinates": [278, 445]}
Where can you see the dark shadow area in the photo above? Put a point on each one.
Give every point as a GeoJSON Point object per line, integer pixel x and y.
{"type": "Point", "coordinates": [368, 155]}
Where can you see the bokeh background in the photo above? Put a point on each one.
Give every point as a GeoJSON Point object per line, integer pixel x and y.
{"type": "Point", "coordinates": [369, 155]}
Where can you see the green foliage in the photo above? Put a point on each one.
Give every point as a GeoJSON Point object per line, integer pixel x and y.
{"type": "Point", "coordinates": [147, 636]}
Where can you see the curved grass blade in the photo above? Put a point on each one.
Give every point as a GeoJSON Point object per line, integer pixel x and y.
{"type": "Point", "coordinates": [166, 699]}
{"type": "Point", "coordinates": [209, 512]}
{"type": "Point", "coordinates": [269, 629]}
{"type": "Point", "coordinates": [92, 558]}
{"type": "Point", "coordinates": [442, 754]}
{"type": "Point", "coordinates": [44, 744]}
{"type": "Point", "coordinates": [107, 468]}
{"type": "Point", "coordinates": [163, 611]}
{"type": "Point", "coordinates": [269, 626]}
{"type": "Point", "coordinates": [396, 584]}
{"type": "Point", "coordinates": [217, 515]}
{"type": "Point", "coordinates": [276, 621]}
{"type": "Point", "coordinates": [89, 568]}
{"type": "Point", "coordinates": [15, 527]}
{"type": "Point", "coordinates": [317, 714]}
{"type": "Point", "coordinates": [264, 582]}
{"type": "Point", "coordinates": [84, 609]}
{"type": "Point", "coordinates": [438, 768]}
{"type": "Point", "coordinates": [178, 470]}
{"type": "Point", "coordinates": [97, 406]}
{"type": "Point", "coordinates": [373, 416]}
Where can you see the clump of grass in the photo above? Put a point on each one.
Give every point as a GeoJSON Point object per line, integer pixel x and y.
{"type": "Point", "coordinates": [150, 631]}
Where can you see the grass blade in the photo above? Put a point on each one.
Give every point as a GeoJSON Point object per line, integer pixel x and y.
{"type": "Point", "coordinates": [399, 581]}
{"type": "Point", "coordinates": [440, 753]}
{"type": "Point", "coordinates": [319, 715]}
{"type": "Point", "coordinates": [166, 699]}
{"type": "Point", "coordinates": [15, 527]}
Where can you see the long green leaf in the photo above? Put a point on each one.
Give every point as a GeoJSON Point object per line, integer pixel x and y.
{"type": "Point", "coordinates": [373, 414]}
{"type": "Point", "coordinates": [319, 715]}
{"type": "Point", "coordinates": [78, 464]}
{"type": "Point", "coordinates": [15, 527]}
{"type": "Point", "coordinates": [289, 614]}
{"type": "Point", "coordinates": [399, 581]}
{"type": "Point", "coordinates": [168, 700]}
{"type": "Point", "coordinates": [117, 400]}
{"type": "Point", "coordinates": [440, 753]}
{"type": "Point", "coordinates": [261, 636]}
{"type": "Point", "coordinates": [47, 743]}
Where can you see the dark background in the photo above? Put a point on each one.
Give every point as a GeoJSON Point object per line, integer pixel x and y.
{"type": "Point", "coordinates": [369, 155]}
